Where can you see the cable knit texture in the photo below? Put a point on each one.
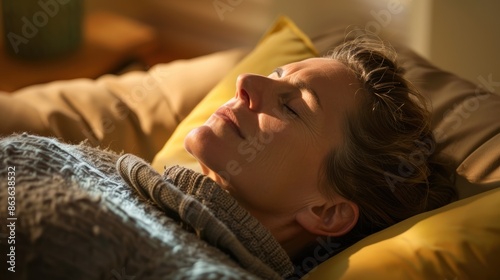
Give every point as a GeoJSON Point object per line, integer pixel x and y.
{"type": "Point", "coordinates": [249, 230]}
{"type": "Point", "coordinates": [201, 205]}
{"type": "Point", "coordinates": [77, 218]}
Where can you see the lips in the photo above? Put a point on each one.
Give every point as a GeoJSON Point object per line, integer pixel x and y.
{"type": "Point", "coordinates": [228, 116]}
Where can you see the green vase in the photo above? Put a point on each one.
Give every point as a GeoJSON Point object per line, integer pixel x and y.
{"type": "Point", "coordinates": [37, 29]}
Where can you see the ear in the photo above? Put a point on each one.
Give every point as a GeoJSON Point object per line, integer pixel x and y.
{"type": "Point", "coordinates": [329, 218]}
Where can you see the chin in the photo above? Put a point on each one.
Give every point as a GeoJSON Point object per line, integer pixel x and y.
{"type": "Point", "coordinates": [189, 141]}
{"type": "Point", "coordinates": [196, 140]}
{"type": "Point", "coordinates": [202, 144]}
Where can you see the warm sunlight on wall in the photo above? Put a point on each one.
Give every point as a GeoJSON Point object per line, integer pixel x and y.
{"type": "Point", "coordinates": [465, 38]}
{"type": "Point", "coordinates": [458, 35]}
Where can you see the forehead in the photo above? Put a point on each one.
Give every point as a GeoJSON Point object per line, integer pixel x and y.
{"type": "Point", "coordinates": [324, 74]}
{"type": "Point", "coordinates": [336, 86]}
{"type": "Point", "coordinates": [322, 67]}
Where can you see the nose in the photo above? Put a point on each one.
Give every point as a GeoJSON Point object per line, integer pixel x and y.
{"type": "Point", "coordinates": [253, 90]}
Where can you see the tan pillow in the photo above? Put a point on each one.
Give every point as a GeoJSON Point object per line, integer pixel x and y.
{"type": "Point", "coordinates": [464, 120]}
{"type": "Point", "coordinates": [134, 113]}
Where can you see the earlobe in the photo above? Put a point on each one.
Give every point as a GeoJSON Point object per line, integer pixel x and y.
{"type": "Point", "coordinates": [330, 219]}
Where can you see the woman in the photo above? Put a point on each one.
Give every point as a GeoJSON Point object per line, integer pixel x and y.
{"type": "Point", "coordinates": [342, 142]}
{"type": "Point", "coordinates": [336, 147]}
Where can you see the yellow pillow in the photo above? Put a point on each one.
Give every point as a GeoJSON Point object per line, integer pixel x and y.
{"type": "Point", "coordinates": [282, 44]}
{"type": "Point", "coordinates": [458, 241]}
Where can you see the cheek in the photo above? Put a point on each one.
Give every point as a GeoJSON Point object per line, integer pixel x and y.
{"type": "Point", "coordinates": [283, 171]}
{"type": "Point", "coordinates": [279, 161]}
{"type": "Point", "coordinates": [280, 145]}
{"type": "Point", "coordinates": [273, 191]}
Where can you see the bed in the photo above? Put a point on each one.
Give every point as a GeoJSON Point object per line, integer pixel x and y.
{"type": "Point", "coordinates": [147, 113]}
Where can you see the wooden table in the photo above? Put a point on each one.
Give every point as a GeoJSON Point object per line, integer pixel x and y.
{"type": "Point", "coordinates": [110, 41]}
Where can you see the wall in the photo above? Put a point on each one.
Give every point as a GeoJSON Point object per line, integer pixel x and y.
{"type": "Point", "coordinates": [465, 37]}
{"type": "Point", "coordinates": [462, 36]}
{"type": "Point", "coordinates": [201, 26]}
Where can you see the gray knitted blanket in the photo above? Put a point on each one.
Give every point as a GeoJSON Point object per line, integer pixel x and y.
{"type": "Point", "coordinates": [77, 212]}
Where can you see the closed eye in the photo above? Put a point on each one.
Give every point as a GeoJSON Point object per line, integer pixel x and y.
{"type": "Point", "coordinates": [302, 86]}
{"type": "Point", "coordinates": [290, 109]}
{"type": "Point", "coordinates": [278, 71]}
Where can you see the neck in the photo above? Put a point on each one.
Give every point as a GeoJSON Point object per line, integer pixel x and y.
{"type": "Point", "coordinates": [214, 176]}
{"type": "Point", "coordinates": [292, 237]}
{"type": "Point", "coordinates": [249, 231]}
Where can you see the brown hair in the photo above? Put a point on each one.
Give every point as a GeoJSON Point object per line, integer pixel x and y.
{"type": "Point", "coordinates": [385, 163]}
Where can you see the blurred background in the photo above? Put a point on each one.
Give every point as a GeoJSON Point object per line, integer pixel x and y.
{"type": "Point", "coordinates": [461, 36]}
{"type": "Point", "coordinates": [458, 35]}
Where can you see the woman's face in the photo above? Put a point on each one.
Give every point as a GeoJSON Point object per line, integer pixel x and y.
{"type": "Point", "coordinates": [266, 146]}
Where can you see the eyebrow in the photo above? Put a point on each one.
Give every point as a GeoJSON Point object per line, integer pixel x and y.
{"type": "Point", "coordinates": [302, 86]}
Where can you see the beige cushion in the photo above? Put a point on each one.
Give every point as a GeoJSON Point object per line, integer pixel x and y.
{"type": "Point", "coordinates": [134, 113]}
{"type": "Point", "coordinates": [465, 122]}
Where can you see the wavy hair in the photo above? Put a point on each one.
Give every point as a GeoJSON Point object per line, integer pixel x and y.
{"type": "Point", "coordinates": [386, 163]}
